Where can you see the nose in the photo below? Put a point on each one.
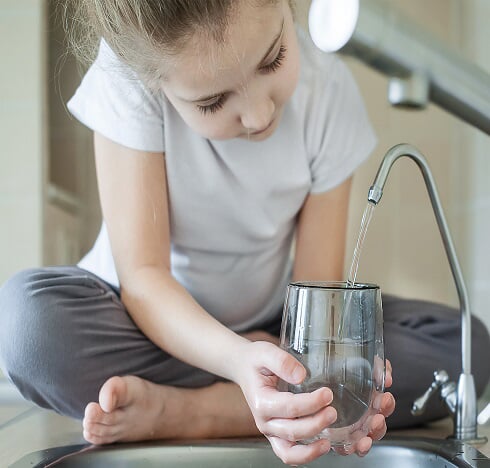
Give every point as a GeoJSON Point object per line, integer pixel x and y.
{"type": "Point", "coordinates": [258, 112]}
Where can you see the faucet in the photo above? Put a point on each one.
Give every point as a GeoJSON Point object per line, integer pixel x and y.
{"type": "Point", "coordinates": [460, 399]}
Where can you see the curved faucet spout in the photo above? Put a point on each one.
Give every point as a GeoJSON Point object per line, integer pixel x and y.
{"type": "Point", "coordinates": [465, 417]}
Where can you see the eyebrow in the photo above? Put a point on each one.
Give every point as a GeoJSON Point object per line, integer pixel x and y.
{"type": "Point", "coordinates": [269, 50]}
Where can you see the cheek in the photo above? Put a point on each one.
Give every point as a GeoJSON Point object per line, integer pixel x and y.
{"type": "Point", "coordinates": [216, 126]}
{"type": "Point", "coordinates": [287, 78]}
{"type": "Point", "coordinates": [288, 85]}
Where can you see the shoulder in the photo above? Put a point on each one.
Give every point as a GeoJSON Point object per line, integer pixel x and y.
{"type": "Point", "coordinates": [113, 101]}
{"type": "Point", "coordinates": [121, 78]}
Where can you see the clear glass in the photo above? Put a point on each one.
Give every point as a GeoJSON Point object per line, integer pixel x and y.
{"type": "Point", "coordinates": [336, 331]}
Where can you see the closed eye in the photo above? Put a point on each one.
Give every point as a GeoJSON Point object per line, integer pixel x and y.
{"type": "Point", "coordinates": [219, 101]}
{"type": "Point", "coordinates": [213, 107]}
{"type": "Point", "coordinates": [276, 63]}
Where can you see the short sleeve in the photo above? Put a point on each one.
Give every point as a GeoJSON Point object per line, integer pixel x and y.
{"type": "Point", "coordinates": [339, 135]}
{"type": "Point", "coordinates": [112, 101]}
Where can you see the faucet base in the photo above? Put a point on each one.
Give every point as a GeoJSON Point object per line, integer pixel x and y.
{"type": "Point", "coordinates": [465, 425]}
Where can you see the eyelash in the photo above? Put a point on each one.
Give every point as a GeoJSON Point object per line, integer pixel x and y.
{"type": "Point", "coordinates": [275, 65]}
{"type": "Point", "coordinates": [214, 107]}
{"type": "Point", "coordinates": [270, 68]}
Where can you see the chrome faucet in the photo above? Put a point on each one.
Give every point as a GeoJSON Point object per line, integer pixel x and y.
{"type": "Point", "coordinates": [460, 399]}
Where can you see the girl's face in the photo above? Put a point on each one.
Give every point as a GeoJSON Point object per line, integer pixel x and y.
{"type": "Point", "coordinates": [238, 89]}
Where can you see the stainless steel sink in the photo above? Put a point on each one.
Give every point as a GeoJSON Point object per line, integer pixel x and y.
{"type": "Point", "coordinates": [250, 453]}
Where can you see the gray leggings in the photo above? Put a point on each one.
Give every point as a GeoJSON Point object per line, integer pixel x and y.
{"type": "Point", "coordinates": [64, 332]}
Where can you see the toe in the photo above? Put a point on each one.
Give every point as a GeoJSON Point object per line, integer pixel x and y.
{"type": "Point", "coordinates": [98, 439]}
{"type": "Point", "coordinates": [113, 394]}
{"type": "Point", "coordinates": [93, 412]}
{"type": "Point", "coordinates": [99, 434]}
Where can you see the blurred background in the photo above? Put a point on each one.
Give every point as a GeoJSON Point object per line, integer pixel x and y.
{"type": "Point", "coordinates": [49, 211]}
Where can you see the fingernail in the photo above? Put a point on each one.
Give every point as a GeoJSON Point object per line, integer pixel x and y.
{"type": "Point", "coordinates": [379, 425]}
{"type": "Point", "coordinates": [331, 416]}
{"type": "Point", "coordinates": [298, 375]}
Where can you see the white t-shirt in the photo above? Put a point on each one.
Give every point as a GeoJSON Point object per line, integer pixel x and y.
{"type": "Point", "coordinates": [233, 204]}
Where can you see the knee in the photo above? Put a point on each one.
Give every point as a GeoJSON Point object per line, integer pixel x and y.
{"type": "Point", "coordinates": [23, 327]}
{"type": "Point", "coordinates": [35, 351]}
{"type": "Point", "coordinates": [18, 306]}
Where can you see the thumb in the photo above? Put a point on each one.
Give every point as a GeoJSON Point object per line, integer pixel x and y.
{"type": "Point", "coordinates": [284, 365]}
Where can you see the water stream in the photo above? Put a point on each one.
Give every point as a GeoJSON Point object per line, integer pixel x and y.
{"type": "Point", "coordinates": [351, 279]}
{"type": "Point", "coordinates": [366, 219]}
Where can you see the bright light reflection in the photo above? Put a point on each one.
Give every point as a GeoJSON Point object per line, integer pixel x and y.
{"type": "Point", "coordinates": [332, 22]}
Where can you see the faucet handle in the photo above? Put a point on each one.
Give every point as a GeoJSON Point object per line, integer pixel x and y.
{"type": "Point", "coordinates": [440, 378]}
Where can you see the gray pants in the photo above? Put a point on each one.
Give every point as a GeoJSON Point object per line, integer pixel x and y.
{"type": "Point", "coordinates": [64, 332]}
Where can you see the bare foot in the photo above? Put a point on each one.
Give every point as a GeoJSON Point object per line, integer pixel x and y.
{"type": "Point", "coordinates": [133, 409]}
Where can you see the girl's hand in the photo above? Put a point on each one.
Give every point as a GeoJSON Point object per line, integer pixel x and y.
{"type": "Point", "coordinates": [285, 418]}
{"type": "Point", "coordinates": [386, 405]}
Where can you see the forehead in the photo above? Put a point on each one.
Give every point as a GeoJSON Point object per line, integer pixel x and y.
{"type": "Point", "coordinates": [206, 62]}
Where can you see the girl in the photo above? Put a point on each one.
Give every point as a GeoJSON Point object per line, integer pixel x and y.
{"type": "Point", "coordinates": [220, 135]}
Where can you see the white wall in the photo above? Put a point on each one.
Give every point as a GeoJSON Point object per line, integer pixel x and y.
{"type": "Point", "coordinates": [22, 133]}
{"type": "Point", "coordinates": [40, 144]}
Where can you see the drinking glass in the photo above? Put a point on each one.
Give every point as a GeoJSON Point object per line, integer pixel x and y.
{"type": "Point", "coordinates": [335, 330]}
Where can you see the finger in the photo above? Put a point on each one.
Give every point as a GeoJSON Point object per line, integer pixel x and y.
{"type": "Point", "coordinates": [302, 428]}
{"type": "Point", "coordinates": [386, 404]}
{"type": "Point", "coordinates": [297, 454]}
{"type": "Point", "coordinates": [388, 374]}
{"type": "Point", "coordinates": [282, 364]}
{"type": "Point", "coordinates": [364, 446]}
{"type": "Point", "coordinates": [377, 427]}
{"type": "Point", "coordinates": [286, 405]}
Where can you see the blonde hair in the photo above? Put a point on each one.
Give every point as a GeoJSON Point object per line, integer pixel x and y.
{"type": "Point", "coordinates": [145, 32]}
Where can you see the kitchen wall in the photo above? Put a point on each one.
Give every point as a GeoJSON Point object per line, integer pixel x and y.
{"type": "Point", "coordinates": [48, 201]}
{"type": "Point", "coordinates": [403, 250]}
{"type": "Point", "coordinates": [474, 210]}
{"type": "Point", "coordinates": [71, 168]}
{"type": "Point", "coordinates": [48, 196]}
{"type": "Point", "coordinates": [23, 145]}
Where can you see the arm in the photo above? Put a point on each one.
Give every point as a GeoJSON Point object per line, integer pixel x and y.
{"type": "Point", "coordinates": [133, 193]}
{"type": "Point", "coordinates": [321, 235]}
{"type": "Point", "coordinates": [132, 186]}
